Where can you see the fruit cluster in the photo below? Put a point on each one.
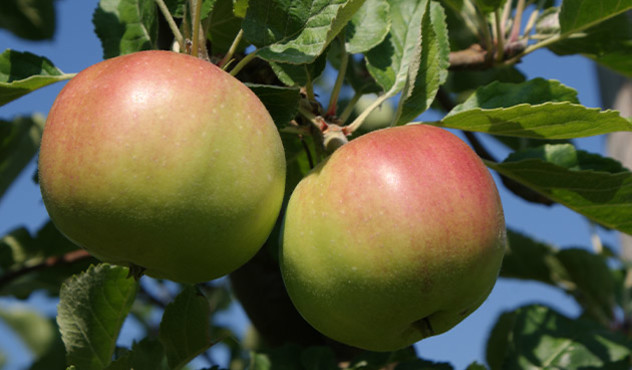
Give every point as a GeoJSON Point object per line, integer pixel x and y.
{"type": "Point", "coordinates": [164, 162]}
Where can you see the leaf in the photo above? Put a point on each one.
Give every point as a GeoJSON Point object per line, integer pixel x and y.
{"type": "Point", "coordinates": [488, 6]}
{"type": "Point", "coordinates": [607, 43]}
{"type": "Point", "coordinates": [430, 71]}
{"type": "Point", "coordinates": [23, 72]}
{"type": "Point", "coordinates": [466, 80]}
{"type": "Point", "coordinates": [368, 27]}
{"type": "Point", "coordinates": [21, 251]}
{"type": "Point", "coordinates": [476, 366]}
{"type": "Point", "coordinates": [185, 329]}
{"type": "Point", "coordinates": [538, 337]}
{"type": "Point", "coordinates": [91, 311]}
{"type": "Point", "coordinates": [319, 358]}
{"type": "Point", "coordinates": [281, 102]}
{"type": "Point", "coordinates": [19, 141]}
{"type": "Point", "coordinates": [596, 187]}
{"type": "Point", "coordinates": [528, 259]}
{"type": "Point", "coordinates": [537, 109]}
{"type": "Point", "coordinates": [224, 26]}
{"type": "Point", "coordinates": [296, 31]}
{"type": "Point", "coordinates": [31, 20]}
{"type": "Point", "coordinates": [389, 62]}
{"type": "Point", "coordinates": [148, 354]}
{"type": "Point", "coordinates": [577, 15]}
{"type": "Point", "coordinates": [299, 74]}
{"type": "Point", "coordinates": [505, 95]}
{"type": "Point", "coordinates": [126, 26]}
{"type": "Point", "coordinates": [544, 121]}
{"type": "Point", "coordinates": [178, 7]}
{"type": "Point", "coordinates": [584, 275]}
{"type": "Point", "coordinates": [37, 332]}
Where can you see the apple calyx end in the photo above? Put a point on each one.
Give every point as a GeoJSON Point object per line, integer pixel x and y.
{"type": "Point", "coordinates": [136, 271]}
{"type": "Point", "coordinates": [424, 327]}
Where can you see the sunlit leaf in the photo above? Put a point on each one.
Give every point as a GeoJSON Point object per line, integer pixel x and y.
{"type": "Point", "coordinates": [91, 311]}
{"type": "Point", "coordinates": [126, 26]}
{"type": "Point", "coordinates": [296, 31]}
{"type": "Point", "coordinates": [23, 72]}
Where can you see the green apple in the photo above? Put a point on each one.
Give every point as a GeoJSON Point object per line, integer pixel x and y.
{"type": "Point", "coordinates": [163, 161]}
{"type": "Point", "coordinates": [381, 117]}
{"type": "Point", "coordinates": [397, 236]}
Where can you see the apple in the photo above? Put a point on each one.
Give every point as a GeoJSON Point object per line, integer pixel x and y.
{"type": "Point", "coordinates": [163, 161]}
{"type": "Point", "coordinates": [397, 236]}
{"type": "Point", "coordinates": [381, 117]}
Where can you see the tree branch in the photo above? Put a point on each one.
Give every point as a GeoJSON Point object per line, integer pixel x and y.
{"type": "Point", "coordinates": [66, 259]}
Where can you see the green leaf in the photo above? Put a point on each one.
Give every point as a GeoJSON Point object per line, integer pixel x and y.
{"type": "Point", "coordinates": [178, 7]}
{"type": "Point", "coordinates": [537, 109]}
{"type": "Point", "coordinates": [544, 121]}
{"type": "Point", "coordinates": [299, 74]}
{"type": "Point", "coordinates": [577, 15]}
{"type": "Point", "coordinates": [148, 354]}
{"type": "Point", "coordinates": [476, 366]}
{"type": "Point", "coordinates": [91, 311]}
{"type": "Point", "coordinates": [281, 102]}
{"type": "Point", "coordinates": [488, 6]}
{"type": "Point", "coordinates": [224, 26]}
{"type": "Point", "coordinates": [23, 72]}
{"type": "Point", "coordinates": [607, 43]}
{"type": "Point", "coordinates": [430, 71]}
{"type": "Point", "coordinates": [240, 7]}
{"type": "Point", "coordinates": [368, 27]}
{"type": "Point", "coordinates": [389, 62]}
{"type": "Point", "coordinates": [126, 26]}
{"type": "Point", "coordinates": [505, 95]}
{"type": "Point", "coordinates": [467, 80]}
{"type": "Point", "coordinates": [584, 275]}
{"type": "Point", "coordinates": [296, 31]}
{"type": "Point", "coordinates": [528, 259]}
{"type": "Point", "coordinates": [499, 340]}
{"type": "Point", "coordinates": [591, 281]}
{"type": "Point", "coordinates": [597, 187]}
{"type": "Point", "coordinates": [185, 329]}
{"type": "Point", "coordinates": [538, 337]}
{"type": "Point", "coordinates": [319, 358]}
{"type": "Point", "coordinates": [31, 20]}
{"type": "Point", "coordinates": [36, 331]}
{"type": "Point", "coordinates": [19, 141]}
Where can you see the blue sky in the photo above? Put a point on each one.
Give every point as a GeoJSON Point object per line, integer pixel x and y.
{"type": "Point", "coordinates": [76, 47]}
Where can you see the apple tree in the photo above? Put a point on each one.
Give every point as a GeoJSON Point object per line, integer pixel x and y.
{"type": "Point", "coordinates": [390, 63]}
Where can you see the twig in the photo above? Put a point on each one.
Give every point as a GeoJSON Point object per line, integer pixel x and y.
{"type": "Point", "coordinates": [197, 14]}
{"type": "Point", "coordinates": [232, 49]}
{"type": "Point", "coordinates": [242, 63]}
{"type": "Point", "coordinates": [171, 22]}
{"type": "Point", "coordinates": [50, 262]}
{"type": "Point", "coordinates": [331, 108]}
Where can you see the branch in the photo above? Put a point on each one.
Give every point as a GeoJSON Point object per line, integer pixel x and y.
{"type": "Point", "coordinates": [50, 262]}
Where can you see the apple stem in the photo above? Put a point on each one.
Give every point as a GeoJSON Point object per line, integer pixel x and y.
{"type": "Point", "coordinates": [346, 113]}
{"type": "Point", "coordinates": [360, 119]}
{"type": "Point", "coordinates": [515, 31]}
{"type": "Point", "coordinates": [242, 63]}
{"type": "Point", "coordinates": [196, 6]}
{"type": "Point", "coordinates": [171, 22]}
{"type": "Point", "coordinates": [500, 36]}
{"type": "Point", "coordinates": [333, 99]}
{"type": "Point", "coordinates": [231, 50]}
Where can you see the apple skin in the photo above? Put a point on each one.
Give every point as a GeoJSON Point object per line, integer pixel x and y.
{"type": "Point", "coordinates": [397, 236]}
{"type": "Point", "coordinates": [163, 161]}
